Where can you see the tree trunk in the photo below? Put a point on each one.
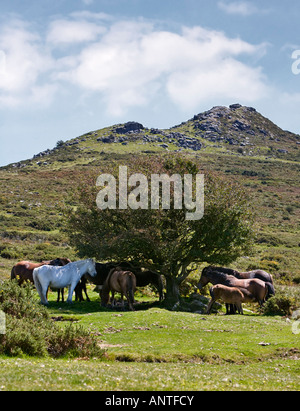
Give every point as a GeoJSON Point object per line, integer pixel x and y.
{"type": "Point", "coordinates": [173, 294]}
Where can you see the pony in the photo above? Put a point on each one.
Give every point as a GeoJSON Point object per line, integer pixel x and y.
{"type": "Point", "coordinates": [60, 277]}
{"type": "Point", "coordinates": [80, 288]}
{"type": "Point", "coordinates": [120, 281]}
{"type": "Point", "coordinates": [147, 277]}
{"type": "Point", "coordinates": [256, 287]}
{"type": "Point", "coordinates": [143, 278]}
{"type": "Point", "coordinates": [259, 274]}
{"type": "Point", "coordinates": [23, 271]}
{"type": "Point", "coordinates": [230, 295]}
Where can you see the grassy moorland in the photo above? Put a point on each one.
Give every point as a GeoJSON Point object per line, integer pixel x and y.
{"type": "Point", "coordinates": [31, 203]}
{"type": "Point", "coordinates": [155, 349]}
{"type": "Point", "coordinates": [152, 348]}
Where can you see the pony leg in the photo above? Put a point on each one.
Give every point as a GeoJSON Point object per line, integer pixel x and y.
{"type": "Point", "coordinates": [71, 291]}
{"type": "Point", "coordinates": [129, 302]}
{"type": "Point", "coordinates": [86, 294]}
{"type": "Point", "coordinates": [113, 301]}
{"type": "Point", "coordinates": [232, 309]}
{"type": "Point", "coordinates": [42, 290]}
{"type": "Point", "coordinates": [84, 290]}
{"type": "Point", "coordinates": [122, 301]}
{"type": "Point", "coordinates": [209, 307]}
{"type": "Point", "coordinates": [61, 292]}
{"type": "Point", "coordinates": [228, 309]}
{"type": "Point", "coordinates": [240, 309]}
{"type": "Point", "coordinates": [44, 293]}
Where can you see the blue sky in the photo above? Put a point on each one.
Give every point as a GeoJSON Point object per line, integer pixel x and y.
{"type": "Point", "coordinates": [71, 66]}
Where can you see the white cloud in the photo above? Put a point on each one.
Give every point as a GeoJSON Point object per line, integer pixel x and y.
{"type": "Point", "coordinates": [88, 15]}
{"type": "Point", "coordinates": [229, 80]}
{"type": "Point", "coordinates": [25, 59]}
{"type": "Point", "coordinates": [126, 64]}
{"type": "Point", "coordinates": [243, 8]}
{"type": "Point", "coordinates": [66, 32]}
{"type": "Point", "coordinates": [133, 64]}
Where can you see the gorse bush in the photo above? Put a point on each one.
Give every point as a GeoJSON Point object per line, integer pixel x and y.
{"type": "Point", "coordinates": [280, 304]}
{"type": "Point", "coordinates": [20, 302]}
{"type": "Point", "coordinates": [30, 330]}
{"type": "Point", "coordinates": [73, 341]}
{"type": "Point", "coordinates": [23, 337]}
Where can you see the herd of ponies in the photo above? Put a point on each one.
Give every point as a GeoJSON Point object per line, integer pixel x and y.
{"type": "Point", "coordinates": [230, 286]}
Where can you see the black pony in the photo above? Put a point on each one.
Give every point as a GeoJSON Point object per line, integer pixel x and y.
{"type": "Point", "coordinates": [143, 278]}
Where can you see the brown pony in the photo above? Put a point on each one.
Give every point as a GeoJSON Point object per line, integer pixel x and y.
{"type": "Point", "coordinates": [257, 288]}
{"type": "Point", "coordinates": [230, 295]}
{"type": "Point", "coordinates": [120, 281]}
{"type": "Point", "coordinates": [260, 274]}
{"type": "Point", "coordinates": [23, 271]}
{"type": "Point", "coordinates": [143, 277]}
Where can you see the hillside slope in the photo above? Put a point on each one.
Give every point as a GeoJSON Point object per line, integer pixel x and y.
{"type": "Point", "coordinates": [236, 130]}
{"type": "Point", "coordinates": [237, 142]}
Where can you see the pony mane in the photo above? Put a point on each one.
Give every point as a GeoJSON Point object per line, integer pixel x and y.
{"type": "Point", "coordinates": [213, 272]}
{"type": "Point", "coordinates": [81, 262]}
{"type": "Point", "coordinates": [224, 270]}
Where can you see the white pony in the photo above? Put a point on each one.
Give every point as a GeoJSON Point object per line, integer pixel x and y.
{"type": "Point", "coordinates": [61, 277]}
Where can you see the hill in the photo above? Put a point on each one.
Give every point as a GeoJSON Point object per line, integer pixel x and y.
{"type": "Point", "coordinates": [234, 130]}
{"type": "Point", "coordinates": [236, 141]}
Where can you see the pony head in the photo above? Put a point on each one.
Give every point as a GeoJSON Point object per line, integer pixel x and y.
{"type": "Point", "coordinates": [203, 279]}
{"type": "Point", "coordinates": [91, 267]}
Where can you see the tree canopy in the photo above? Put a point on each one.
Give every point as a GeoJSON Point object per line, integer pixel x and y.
{"type": "Point", "coordinates": [164, 239]}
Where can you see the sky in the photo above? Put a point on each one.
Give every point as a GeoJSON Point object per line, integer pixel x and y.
{"type": "Point", "coordinates": [68, 67]}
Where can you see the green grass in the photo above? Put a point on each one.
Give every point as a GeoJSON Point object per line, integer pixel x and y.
{"type": "Point", "coordinates": [156, 349]}
{"type": "Point", "coordinates": [157, 335]}
{"type": "Point", "coordinates": [161, 350]}
{"type": "Point", "coordinates": [38, 375]}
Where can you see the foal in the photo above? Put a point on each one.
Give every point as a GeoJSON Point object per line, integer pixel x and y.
{"type": "Point", "coordinates": [229, 295]}
{"type": "Point", "coordinates": [256, 287]}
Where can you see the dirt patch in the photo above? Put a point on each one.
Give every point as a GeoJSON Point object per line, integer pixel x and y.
{"type": "Point", "coordinates": [103, 346]}
{"type": "Point", "coordinates": [61, 318]}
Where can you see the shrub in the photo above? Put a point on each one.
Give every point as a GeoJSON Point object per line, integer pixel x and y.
{"type": "Point", "coordinates": [74, 342]}
{"type": "Point", "coordinates": [60, 143]}
{"type": "Point", "coordinates": [42, 225]}
{"type": "Point", "coordinates": [280, 304]}
{"type": "Point", "coordinates": [20, 302]}
{"type": "Point", "coordinates": [269, 265]}
{"type": "Point", "coordinates": [30, 330]}
{"type": "Point", "coordinates": [9, 253]}
{"type": "Point", "coordinates": [23, 336]}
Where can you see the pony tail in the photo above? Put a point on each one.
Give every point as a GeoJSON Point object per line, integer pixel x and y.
{"type": "Point", "coordinates": [211, 292]}
{"type": "Point", "coordinates": [13, 274]}
{"type": "Point", "coordinates": [37, 283]}
{"type": "Point", "coordinates": [130, 288]}
{"type": "Point", "coordinates": [104, 293]}
{"type": "Point", "coordinates": [270, 291]}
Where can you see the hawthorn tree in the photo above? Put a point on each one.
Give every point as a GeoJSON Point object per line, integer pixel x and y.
{"type": "Point", "coordinates": [164, 240]}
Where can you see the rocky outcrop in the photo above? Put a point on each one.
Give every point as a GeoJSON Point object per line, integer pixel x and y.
{"type": "Point", "coordinates": [129, 127]}
{"type": "Point", "coordinates": [237, 129]}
